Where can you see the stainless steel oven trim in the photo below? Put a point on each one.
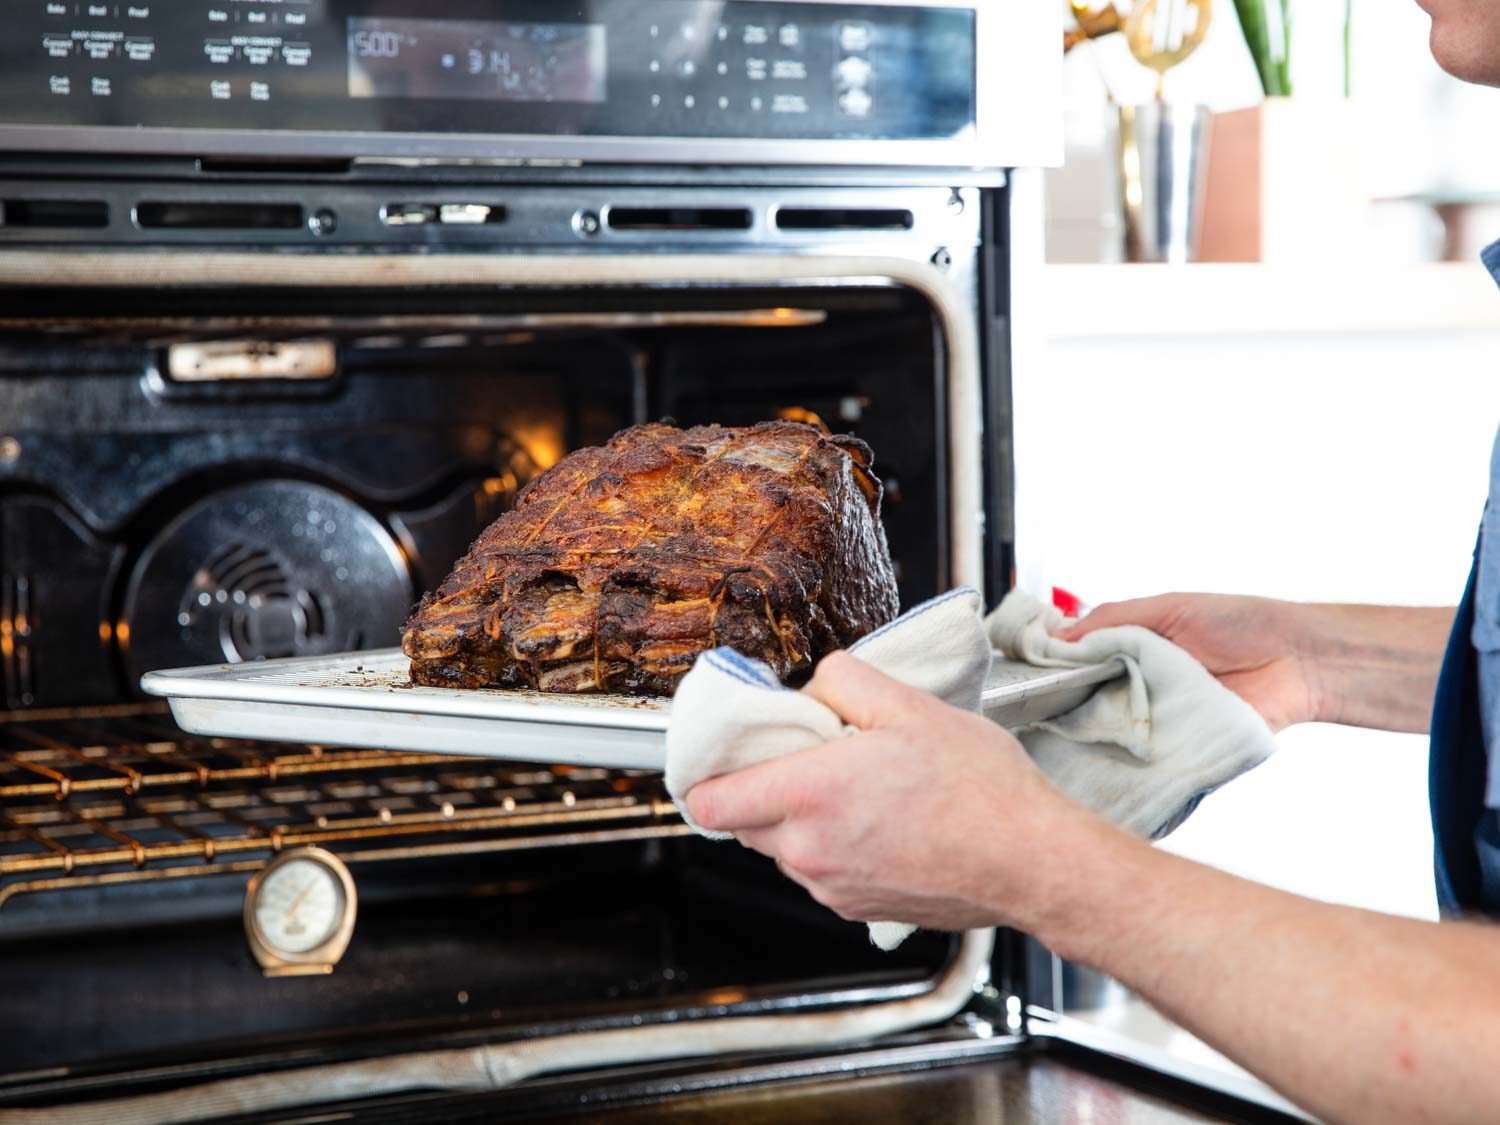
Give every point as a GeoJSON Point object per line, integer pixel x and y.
{"type": "Point", "coordinates": [176, 269]}
{"type": "Point", "coordinates": [1013, 66]}
{"type": "Point", "coordinates": [1042, 1023]}
{"type": "Point", "coordinates": [499, 1065]}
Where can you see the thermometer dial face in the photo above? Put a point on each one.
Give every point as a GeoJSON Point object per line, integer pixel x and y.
{"type": "Point", "coordinates": [299, 912]}
{"type": "Point", "coordinates": [299, 906]}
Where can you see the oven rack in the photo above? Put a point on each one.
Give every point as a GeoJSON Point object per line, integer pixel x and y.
{"type": "Point", "coordinates": [130, 749]}
{"type": "Point", "coordinates": [119, 795]}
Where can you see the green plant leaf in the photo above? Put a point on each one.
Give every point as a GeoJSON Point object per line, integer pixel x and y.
{"type": "Point", "coordinates": [1271, 57]}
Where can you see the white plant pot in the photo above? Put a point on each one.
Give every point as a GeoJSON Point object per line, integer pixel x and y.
{"type": "Point", "coordinates": [1283, 184]}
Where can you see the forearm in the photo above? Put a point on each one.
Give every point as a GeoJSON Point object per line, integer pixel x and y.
{"type": "Point", "coordinates": [1372, 666]}
{"type": "Point", "coordinates": [1357, 1016]}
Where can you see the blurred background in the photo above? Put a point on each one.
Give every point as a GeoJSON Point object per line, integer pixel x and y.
{"type": "Point", "coordinates": [1307, 415]}
{"type": "Point", "coordinates": [1417, 179]}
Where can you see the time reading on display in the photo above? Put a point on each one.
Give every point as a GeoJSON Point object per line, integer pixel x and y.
{"type": "Point", "coordinates": [519, 62]}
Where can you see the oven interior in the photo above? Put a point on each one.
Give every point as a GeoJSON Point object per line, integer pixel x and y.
{"type": "Point", "coordinates": [193, 476]}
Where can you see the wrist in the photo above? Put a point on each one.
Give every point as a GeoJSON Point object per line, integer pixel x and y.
{"type": "Point", "coordinates": [1372, 666]}
{"type": "Point", "coordinates": [1308, 632]}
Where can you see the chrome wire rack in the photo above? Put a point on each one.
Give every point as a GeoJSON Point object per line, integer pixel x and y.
{"type": "Point", "coordinates": [117, 795]}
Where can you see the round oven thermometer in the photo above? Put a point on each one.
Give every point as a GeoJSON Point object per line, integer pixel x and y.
{"type": "Point", "coordinates": [299, 913]}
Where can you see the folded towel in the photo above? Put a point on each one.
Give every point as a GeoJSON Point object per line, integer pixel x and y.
{"type": "Point", "coordinates": [1142, 750]}
{"type": "Point", "coordinates": [731, 712]}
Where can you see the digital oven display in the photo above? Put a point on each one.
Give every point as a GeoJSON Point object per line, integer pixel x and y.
{"type": "Point", "coordinates": [409, 77]}
{"type": "Point", "coordinates": [493, 61]}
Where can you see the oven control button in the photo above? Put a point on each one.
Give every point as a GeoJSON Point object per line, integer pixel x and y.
{"type": "Point", "coordinates": [99, 46]}
{"type": "Point", "coordinates": [855, 36]}
{"type": "Point", "coordinates": [218, 50]}
{"type": "Point", "coordinates": [756, 35]}
{"type": "Point", "coordinates": [219, 89]}
{"type": "Point", "coordinates": [53, 8]}
{"type": "Point", "coordinates": [299, 913]}
{"type": "Point", "coordinates": [140, 50]}
{"type": "Point", "coordinates": [96, 11]}
{"type": "Point", "coordinates": [260, 92]}
{"type": "Point", "coordinates": [789, 35]}
{"type": "Point", "coordinates": [59, 84]}
{"type": "Point", "coordinates": [137, 12]}
{"type": "Point", "coordinates": [57, 46]}
{"type": "Point", "coordinates": [258, 50]}
{"type": "Point", "coordinates": [100, 87]}
{"type": "Point", "coordinates": [854, 71]}
{"type": "Point", "coordinates": [218, 15]}
{"type": "Point", "coordinates": [856, 103]}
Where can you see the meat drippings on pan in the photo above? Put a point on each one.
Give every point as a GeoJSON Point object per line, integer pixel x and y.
{"type": "Point", "coordinates": [623, 562]}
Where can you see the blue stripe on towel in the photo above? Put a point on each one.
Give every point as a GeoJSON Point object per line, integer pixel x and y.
{"type": "Point", "coordinates": [743, 669]}
{"type": "Point", "coordinates": [915, 612]}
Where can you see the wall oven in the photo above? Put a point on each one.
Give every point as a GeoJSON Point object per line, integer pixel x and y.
{"type": "Point", "coordinates": [294, 296]}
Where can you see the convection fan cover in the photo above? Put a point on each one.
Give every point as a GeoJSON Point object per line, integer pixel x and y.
{"type": "Point", "coordinates": [261, 570]}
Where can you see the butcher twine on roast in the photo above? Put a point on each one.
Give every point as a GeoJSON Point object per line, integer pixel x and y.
{"type": "Point", "coordinates": [621, 563]}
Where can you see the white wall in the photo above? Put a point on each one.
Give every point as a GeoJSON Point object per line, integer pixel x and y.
{"type": "Point", "coordinates": [1346, 466]}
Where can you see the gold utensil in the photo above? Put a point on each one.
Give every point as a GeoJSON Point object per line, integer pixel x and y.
{"type": "Point", "coordinates": [1161, 33]}
{"type": "Point", "coordinates": [1093, 21]}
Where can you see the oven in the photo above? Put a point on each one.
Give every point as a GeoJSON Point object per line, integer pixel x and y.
{"type": "Point", "coordinates": [294, 297]}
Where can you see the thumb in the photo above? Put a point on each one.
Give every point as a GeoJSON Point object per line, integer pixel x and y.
{"type": "Point", "coordinates": [862, 695]}
{"type": "Point", "coordinates": [1148, 612]}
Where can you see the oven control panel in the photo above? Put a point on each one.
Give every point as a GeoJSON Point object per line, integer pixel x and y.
{"type": "Point", "coordinates": [660, 70]}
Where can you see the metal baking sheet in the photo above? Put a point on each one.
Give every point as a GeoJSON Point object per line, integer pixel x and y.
{"type": "Point", "coordinates": [366, 699]}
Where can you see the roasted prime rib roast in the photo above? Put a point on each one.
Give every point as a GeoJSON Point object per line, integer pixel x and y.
{"type": "Point", "coordinates": [621, 563]}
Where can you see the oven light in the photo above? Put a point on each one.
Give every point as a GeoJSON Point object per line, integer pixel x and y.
{"type": "Point", "coordinates": [543, 443]}
{"type": "Point", "coordinates": [726, 996]}
{"type": "Point", "coordinates": [499, 486]}
{"type": "Point", "coordinates": [802, 414]}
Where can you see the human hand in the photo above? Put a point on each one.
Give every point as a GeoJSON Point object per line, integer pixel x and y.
{"type": "Point", "coordinates": [1253, 646]}
{"type": "Point", "coordinates": [927, 815]}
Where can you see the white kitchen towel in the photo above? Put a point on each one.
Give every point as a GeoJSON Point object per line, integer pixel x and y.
{"type": "Point", "coordinates": [731, 712]}
{"type": "Point", "coordinates": [1144, 749]}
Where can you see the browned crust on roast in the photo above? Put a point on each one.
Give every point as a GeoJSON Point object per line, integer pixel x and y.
{"type": "Point", "coordinates": [623, 562]}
